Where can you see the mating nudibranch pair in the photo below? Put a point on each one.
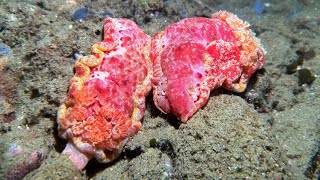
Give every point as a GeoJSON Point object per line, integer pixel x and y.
{"type": "Point", "coordinates": [106, 99]}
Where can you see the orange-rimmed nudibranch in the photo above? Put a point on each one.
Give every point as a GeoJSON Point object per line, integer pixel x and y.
{"type": "Point", "coordinates": [196, 55]}
{"type": "Point", "coordinates": [106, 98]}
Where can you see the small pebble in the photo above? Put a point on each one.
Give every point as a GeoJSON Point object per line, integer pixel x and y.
{"type": "Point", "coordinates": [306, 76]}
{"type": "Point", "coordinates": [5, 50]}
{"type": "Point", "coordinates": [105, 14]}
{"type": "Point", "coordinates": [80, 14]}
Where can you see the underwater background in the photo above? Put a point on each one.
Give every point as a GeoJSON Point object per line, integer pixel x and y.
{"type": "Point", "coordinates": [270, 131]}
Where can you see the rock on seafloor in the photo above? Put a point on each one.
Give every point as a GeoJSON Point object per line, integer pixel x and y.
{"type": "Point", "coordinates": [23, 151]}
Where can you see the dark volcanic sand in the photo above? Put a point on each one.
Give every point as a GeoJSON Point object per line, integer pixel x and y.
{"type": "Point", "coordinates": [270, 131]}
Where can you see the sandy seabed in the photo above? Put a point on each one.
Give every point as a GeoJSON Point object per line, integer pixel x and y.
{"type": "Point", "coordinates": [270, 131]}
